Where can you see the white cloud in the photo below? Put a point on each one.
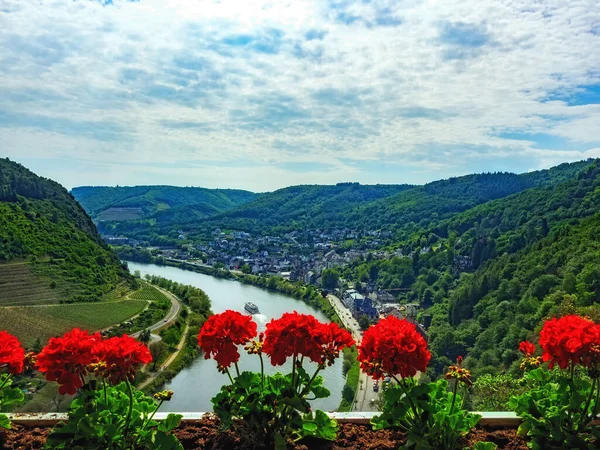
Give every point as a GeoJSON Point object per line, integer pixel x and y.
{"type": "Point", "coordinates": [438, 85]}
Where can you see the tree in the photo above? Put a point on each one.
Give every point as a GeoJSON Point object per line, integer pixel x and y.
{"type": "Point", "coordinates": [145, 336]}
{"type": "Point", "coordinates": [246, 268]}
{"type": "Point", "coordinates": [330, 278]}
{"type": "Point", "coordinates": [364, 322]}
{"type": "Point", "coordinates": [348, 393]}
{"type": "Point", "coordinates": [158, 349]}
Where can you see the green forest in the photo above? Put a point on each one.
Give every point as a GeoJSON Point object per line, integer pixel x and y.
{"type": "Point", "coordinates": [161, 203]}
{"type": "Point", "coordinates": [42, 225]}
{"type": "Point", "coordinates": [488, 276]}
{"type": "Point", "coordinates": [401, 209]}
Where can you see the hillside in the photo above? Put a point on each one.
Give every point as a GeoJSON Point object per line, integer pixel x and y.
{"type": "Point", "coordinates": [50, 251]}
{"type": "Point", "coordinates": [291, 207]}
{"type": "Point", "coordinates": [399, 208]}
{"type": "Point", "coordinates": [489, 275]}
{"type": "Point", "coordinates": [162, 203]}
{"type": "Point", "coordinates": [394, 207]}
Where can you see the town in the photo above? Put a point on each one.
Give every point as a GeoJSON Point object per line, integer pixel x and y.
{"type": "Point", "coordinates": [297, 256]}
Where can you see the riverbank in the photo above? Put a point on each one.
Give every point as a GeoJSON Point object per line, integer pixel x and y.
{"type": "Point", "coordinates": [307, 293]}
{"type": "Point", "coordinates": [196, 309]}
{"type": "Point", "coordinates": [226, 294]}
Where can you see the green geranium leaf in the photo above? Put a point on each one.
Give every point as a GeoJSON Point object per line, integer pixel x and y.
{"type": "Point", "coordinates": [170, 423]}
{"type": "Point", "coordinates": [4, 421]}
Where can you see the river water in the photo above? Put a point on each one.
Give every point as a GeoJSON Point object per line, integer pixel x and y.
{"type": "Point", "coordinates": [197, 384]}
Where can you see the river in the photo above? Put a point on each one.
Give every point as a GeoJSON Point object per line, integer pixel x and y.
{"type": "Point", "coordinates": [197, 384]}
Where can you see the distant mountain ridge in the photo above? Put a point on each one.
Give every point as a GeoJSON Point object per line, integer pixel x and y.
{"type": "Point", "coordinates": [138, 202]}
{"type": "Point", "coordinates": [344, 205]}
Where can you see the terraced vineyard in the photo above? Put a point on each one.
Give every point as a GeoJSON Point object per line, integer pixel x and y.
{"type": "Point", "coordinates": [148, 293]}
{"type": "Point", "coordinates": [29, 323]}
{"type": "Point", "coordinates": [19, 285]}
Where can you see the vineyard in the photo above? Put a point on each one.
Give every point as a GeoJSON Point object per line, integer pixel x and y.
{"type": "Point", "coordinates": [119, 292]}
{"type": "Point", "coordinates": [148, 293]}
{"type": "Point", "coordinates": [20, 286]}
{"type": "Point", "coordinates": [29, 323]}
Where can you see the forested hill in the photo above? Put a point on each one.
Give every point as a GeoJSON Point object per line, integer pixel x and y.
{"type": "Point", "coordinates": [165, 203]}
{"type": "Point", "coordinates": [46, 234]}
{"type": "Point", "coordinates": [288, 208]}
{"type": "Point", "coordinates": [309, 206]}
{"type": "Point", "coordinates": [488, 276]}
{"type": "Point", "coordinates": [394, 207]}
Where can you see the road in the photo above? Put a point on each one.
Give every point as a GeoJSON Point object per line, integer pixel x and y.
{"type": "Point", "coordinates": [170, 317]}
{"type": "Point", "coordinates": [173, 314]}
{"type": "Point", "coordinates": [365, 393]}
{"type": "Point", "coordinates": [167, 361]}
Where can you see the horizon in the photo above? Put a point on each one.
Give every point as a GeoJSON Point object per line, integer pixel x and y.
{"type": "Point", "coordinates": [262, 95]}
{"type": "Point", "coordinates": [325, 184]}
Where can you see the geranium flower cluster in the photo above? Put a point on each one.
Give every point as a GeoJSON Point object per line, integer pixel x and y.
{"type": "Point", "coordinates": [459, 373]}
{"type": "Point", "coordinates": [12, 354]}
{"type": "Point", "coordinates": [222, 333]}
{"type": "Point", "coordinates": [70, 358]}
{"type": "Point", "coordinates": [303, 335]}
{"type": "Point", "coordinates": [570, 340]}
{"type": "Point", "coordinates": [393, 347]}
{"type": "Point", "coordinates": [293, 334]}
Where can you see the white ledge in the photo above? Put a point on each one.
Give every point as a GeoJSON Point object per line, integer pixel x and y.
{"type": "Point", "coordinates": [489, 418]}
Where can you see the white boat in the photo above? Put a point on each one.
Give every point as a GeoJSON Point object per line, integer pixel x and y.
{"type": "Point", "coordinates": [251, 308]}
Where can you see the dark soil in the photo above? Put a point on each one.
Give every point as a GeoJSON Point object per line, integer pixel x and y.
{"type": "Point", "coordinates": [205, 435]}
{"type": "Point", "coordinates": [23, 438]}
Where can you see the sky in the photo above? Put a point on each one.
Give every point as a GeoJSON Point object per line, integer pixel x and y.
{"type": "Point", "coordinates": [262, 94]}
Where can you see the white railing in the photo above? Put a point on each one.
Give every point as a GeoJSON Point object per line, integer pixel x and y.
{"type": "Point", "coordinates": [490, 418]}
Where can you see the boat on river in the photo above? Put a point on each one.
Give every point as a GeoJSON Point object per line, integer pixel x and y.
{"type": "Point", "coordinates": [251, 308]}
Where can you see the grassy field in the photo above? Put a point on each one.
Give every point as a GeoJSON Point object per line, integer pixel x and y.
{"type": "Point", "coordinates": [31, 322]}
{"type": "Point", "coordinates": [19, 285]}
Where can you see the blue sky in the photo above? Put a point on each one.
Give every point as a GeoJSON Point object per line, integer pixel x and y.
{"type": "Point", "coordinates": [261, 94]}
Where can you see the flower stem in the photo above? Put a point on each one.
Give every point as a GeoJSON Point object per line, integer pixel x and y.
{"type": "Point", "coordinates": [454, 396]}
{"type": "Point", "coordinates": [105, 394]}
{"type": "Point", "coordinates": [462, 405]}
{"type": "Point", "coordinates": [130, 411]}
{"type": "Point", "coordinates": [6, 380]}
{"type": "Point", "coordinates": [587, 404]}
{"type": "Point", "coordinates": [402, 384]}
{"type": "Point", "coordinates": [229, 375]}
{"type": "Point", "coordinates": [237, 369]}
{"type": "Point", "coordinates": [307, 387]}
{"type": "Point", "coordinates": [294, 372]}
{"type": "Point", "coordinates": [262, 371]}
{"type": "Point", "coordinates": [152, 415]}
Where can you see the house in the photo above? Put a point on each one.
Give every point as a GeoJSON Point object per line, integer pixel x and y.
{"type": "Point", "coordinates": [310, 277]}
{"type": "Point", "coordinates": [365, 306]}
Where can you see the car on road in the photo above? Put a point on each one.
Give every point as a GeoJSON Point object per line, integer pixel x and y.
{"type": "Point", "coordinates": [375, 386]}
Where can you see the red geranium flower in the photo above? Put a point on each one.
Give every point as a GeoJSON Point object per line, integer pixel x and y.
{"type": "Point", "coordinates": [333, 340]}
{"type": "Point", "coordinates": [11, 353]}
{"type": "Point", "coordinates": [118, 358]}
{"type": "Point", "coordinates": [527, 348]}
{"type": "Point", "coordinates": [392, 347]}
{"type": "Point", "coordinates": [294, 334]}
{"type": "Point", "coordinates": [570, 340]}
{"type": "Point", "coordinates": [221, 334]}
{"type": "Point", "coordinates": [66, 359]}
